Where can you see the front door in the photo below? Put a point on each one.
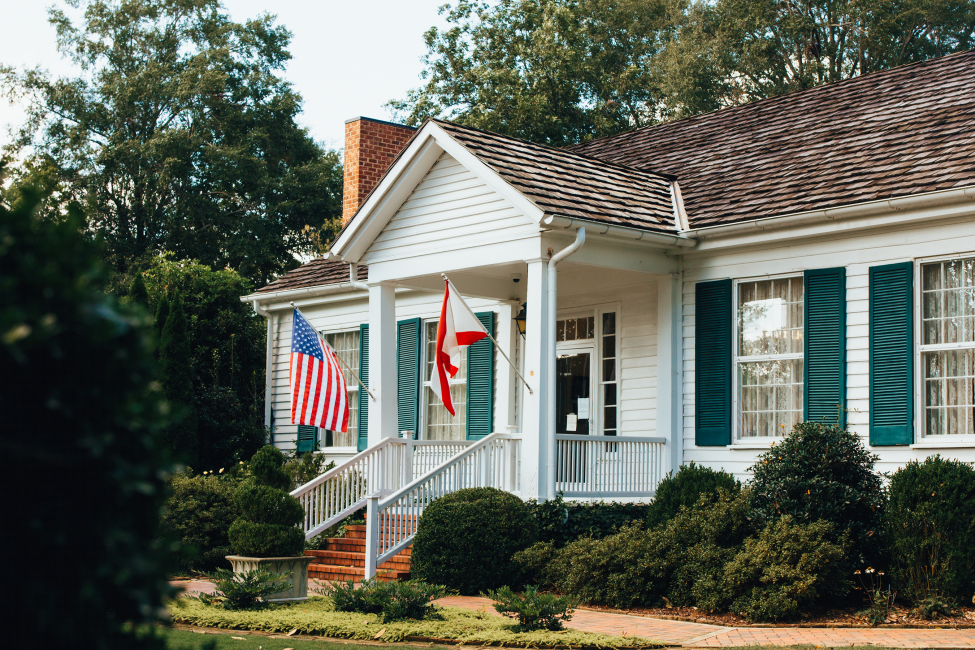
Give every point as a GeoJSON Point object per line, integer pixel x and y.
{"type": "Point", "coordinates": [573, 390]}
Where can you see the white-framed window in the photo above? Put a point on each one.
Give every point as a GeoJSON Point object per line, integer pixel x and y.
{"type": "Point", "coordinates": [767, 386]}
{"type": "Point", "coordinates": [597, 326]}
{"type": "Point", "coordinates": [436, 422]}
{"type": "Point", "coordinates": [946, 348]}
{"type": "Point", "coordinates": [346, 346]}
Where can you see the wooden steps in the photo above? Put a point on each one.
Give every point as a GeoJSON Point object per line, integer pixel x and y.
{"type": "Point", "coordinates": [344, 558]}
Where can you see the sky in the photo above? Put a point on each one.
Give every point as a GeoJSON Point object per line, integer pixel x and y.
{"type": "Point", "coordinates": [348, 57]}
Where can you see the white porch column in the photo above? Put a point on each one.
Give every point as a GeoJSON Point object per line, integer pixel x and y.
{"type": "Point", "coordinates": [534, 482]}
{"type": "Point", "coordinates": [506, 381]}
{"type": "Point", "coordinates": [669, 359]}
{"type": "Point", "coordinates": [382, 362]}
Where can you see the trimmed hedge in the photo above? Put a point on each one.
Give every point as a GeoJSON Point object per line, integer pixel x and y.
{"type": "Point", "coordinates": [560, 522]}
{"type": "Point", "coordinates": [930, 529]}
{"type": "Point", "coordinates": [199, 513]}
{"type": "Point", "coordinates": [465, 540]}
{"type": "Point", "coordinates": [685, 489]}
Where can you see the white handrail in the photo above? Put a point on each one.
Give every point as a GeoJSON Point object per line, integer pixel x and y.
{"type": "Point", "coordinates": [608, 466]}
{"type": "Point", "coordinates": [384, 467]}
{"type": "Point", "coordinates": [491, 462]}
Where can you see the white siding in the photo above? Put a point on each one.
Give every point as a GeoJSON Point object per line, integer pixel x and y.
{"type": "Point", "coordinates": [451, 209]}
{"type": "Point", "coordinates": [857, 253]}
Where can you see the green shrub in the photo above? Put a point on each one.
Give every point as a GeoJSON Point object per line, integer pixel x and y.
{"type": "Point", "coordinates": [934, 607]}
{"type": "Point", "coordinates": [198, 513]}
{"type": "Point", "coordinates": [266, 527]}
{"type": "Point", "coordinates": [685, 489]}
{"type": "Point", "coordinates": [821, 472]}
{"type": "Point", "coordinates": [465, 540]}
{"type": "Point", "coordinates": [302, 468]}
{"type": "Point", "coordinates": [560, 522]}
{"type": "Point", "coordinates": [245, 590]}
{"type": "Point", "coordinates": [84, 466]}
{"type": "Point", "coordinates": [533, 610]}
{"type": "Point", "coordinates": [393, 601]}
{"type": "Point", "coordinates": [786, 569]}
{"type": "Point", "coordinates": [930, 528]}
{"type": "Point", "coordinates": [535, 563]}
{"type": "Point", "coordinates": [682, 560]}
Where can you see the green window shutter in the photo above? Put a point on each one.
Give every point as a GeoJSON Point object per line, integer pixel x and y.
{"type": "Point", "coordinates": [307, 437]}
{"type": "Point", "coordinates": [892, 354]}
{"type": "Point", "coordinates": [408, 374]}
{"type": "Point", "coordinates": [712, 363]}
{"type": "Point", "coordinates": [480, 382]}
{"type": "Point", "coordinates": [363, 440]}
{"type": "Point", "coordinates": [824, 363]}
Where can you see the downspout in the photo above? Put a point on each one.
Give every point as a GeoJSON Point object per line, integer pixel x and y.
{"type": "Point", "coordinates": [268, 364]}
{"type": "Point", "coordinates": [354, 278]}
{"type": "Point", "coordinates": [552, 310]}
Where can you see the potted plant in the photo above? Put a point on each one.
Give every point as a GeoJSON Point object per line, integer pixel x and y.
{"type": "Point", "coordinates": [265, 535]}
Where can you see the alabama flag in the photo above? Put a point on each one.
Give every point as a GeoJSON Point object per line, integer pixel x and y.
{"type": "Point", "coordinates": [458, 328]}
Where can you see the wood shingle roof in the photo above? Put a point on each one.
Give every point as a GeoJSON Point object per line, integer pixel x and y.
{"type": "Point", "coordinates": [312, 274]}
{"type": "Point", "coordinates": [894, 133]}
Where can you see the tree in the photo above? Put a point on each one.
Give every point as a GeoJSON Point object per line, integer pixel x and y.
{"type": "Point", "coordinates": [80, 442]}
{"type": "Point", "coordinates": [180, 135]}
{"type": "Point", "coordinates": [777, 47]}
{"type": "Point", "coordinates": [137, 292]}
{"type": "Point", "coordinates": [226, 341]}
{"type": "Point", "coordinates": [176, 378]}
{"type": "Point", "coordinates": [162, 313]}
{"type": "Point", "coordinates": [563, 71]}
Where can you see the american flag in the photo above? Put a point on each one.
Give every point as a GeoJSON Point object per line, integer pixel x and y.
{"type": "Point", "coordinates": [319, 396]}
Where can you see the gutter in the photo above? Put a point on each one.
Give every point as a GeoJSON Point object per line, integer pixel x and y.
{"type": "Point", "coordinates": [867, 209]}
{"type": "Point", "coordinates": [620, 232]}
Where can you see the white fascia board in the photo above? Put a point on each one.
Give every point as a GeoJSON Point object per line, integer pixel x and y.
{"type": "Point", "coordinates": [942, 204]}
{"type": "Point", "coordinates": [400, 181]}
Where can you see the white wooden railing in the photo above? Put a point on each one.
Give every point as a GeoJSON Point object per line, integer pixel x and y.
{"type": "Point", "coordinates": [380, 469]}
{"type": "Point", "coordinates": [391, 521]}
{"type": "Point", "coordinates": [608, 466]}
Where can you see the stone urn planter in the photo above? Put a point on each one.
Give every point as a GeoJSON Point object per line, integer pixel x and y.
{"type": "Point", "coordinates": [296, 567]}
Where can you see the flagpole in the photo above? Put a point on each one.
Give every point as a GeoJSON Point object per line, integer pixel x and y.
{"type": "Point", "coordinates": [498, 348]}
{"type": "Point", "coordinates": [339, 359]}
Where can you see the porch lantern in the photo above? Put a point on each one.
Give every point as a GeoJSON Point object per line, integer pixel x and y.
{"type": "Point", "coordinates": [522, 319]}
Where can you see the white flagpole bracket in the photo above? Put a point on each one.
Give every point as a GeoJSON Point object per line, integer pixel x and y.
{"type": "Point", "coordinates": [498, 348]}
{"type": "Point", "coordinates": [345, 365]}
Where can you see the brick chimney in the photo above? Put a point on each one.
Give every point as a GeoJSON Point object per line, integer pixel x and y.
{"type": "Point", "coordinates": [370, 147]}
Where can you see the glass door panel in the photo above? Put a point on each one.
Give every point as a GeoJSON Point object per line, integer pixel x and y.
{"type": "Point", "coordinates": [573, 386]}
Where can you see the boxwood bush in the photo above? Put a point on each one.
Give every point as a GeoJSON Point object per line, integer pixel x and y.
{"type": "Point", "coordinates": [198, 513]}
{"type": "Point", "coordinates": [822, 472]}
{"type": "Point", "coordinates": [465, 540]}
{"type": "Point", "coordinates": [266, 527]}
{"type": "Point", "coordinates": [685, 489]}
{"type": "Point", "coordinates": [560, 522]}
{"type": "Point", "coordinates": [930, 529]}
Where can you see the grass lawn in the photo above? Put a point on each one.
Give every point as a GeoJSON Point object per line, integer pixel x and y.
{"type": "Point", "coordinates": [316, 617]}
{"type": "Point", "coordinates": [188, 640]}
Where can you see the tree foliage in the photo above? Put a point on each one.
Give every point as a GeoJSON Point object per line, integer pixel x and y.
{"type": "Point", "coordinates": [224, 360]}
{"type": "Point", "coordinates": [80, 442]}
{"type": "Point", "coordinates": [176, 378]}
{"type": "Point", "coordinates": [179, 134]}
{"type": "Point", "coordinates": [563, 71]}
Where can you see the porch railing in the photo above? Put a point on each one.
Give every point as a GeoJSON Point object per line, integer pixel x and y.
{"type": "Point", "coordinates": [608, 466]}
{"type": "Point", "coordinates": [493, 461]}
{"type": "Point", "coordinates": [380, 469]}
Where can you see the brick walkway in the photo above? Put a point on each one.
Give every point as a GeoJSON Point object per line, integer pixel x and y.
{"type": "Point", "coordinates": [699, 635]}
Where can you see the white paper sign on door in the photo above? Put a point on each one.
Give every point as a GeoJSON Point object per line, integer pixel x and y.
{"type": "Point", "coordinates": [571, 422]}
{"type": "Point", "coordinates": [583, 408]}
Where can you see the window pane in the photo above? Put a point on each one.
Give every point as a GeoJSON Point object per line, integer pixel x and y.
{"type": "Point", "coordinates": [949, 379]}
{"type": "Point", "coordinates": [609, 323]}
{"type": "Point", "coordinates": [931, 276]}
{"type": "Point", "coordinates": [953, 274]}
{"type": "Point", "coordinates": [609, 417]}
{"type": "Point", "coordinates": [570, 330]}
{"type": "Point", "coordinates": [590, 327]}
{"type": "Point", "coordinates": [609, 370]}
{"type": "Point", "coordinates": [346, 346]}
{"type": "Point", "coordinates": [560, 330]}
{"type": "Point", "coordinates": [609, 347]}
{"type": "Point", "coordinates": [770, 317]}
{"type": "Point", "coordinates": [770, 397]}
{"type": "Point", "coordinates": [609, 396]}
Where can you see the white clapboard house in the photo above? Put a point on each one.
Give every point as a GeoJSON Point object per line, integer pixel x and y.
{"type": "Point", "coordinates": [682, 292]}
